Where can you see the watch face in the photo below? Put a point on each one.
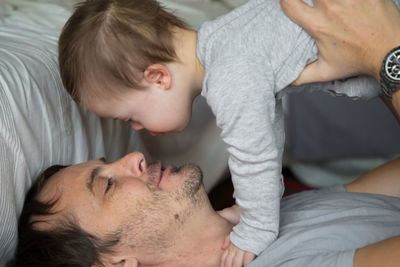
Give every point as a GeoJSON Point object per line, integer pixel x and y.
{"type": "Point", "coordinates": [392, 65]}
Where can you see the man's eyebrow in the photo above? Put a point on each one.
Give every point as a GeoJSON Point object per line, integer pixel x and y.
{"type": "Point", "coordinates": [93, 174]}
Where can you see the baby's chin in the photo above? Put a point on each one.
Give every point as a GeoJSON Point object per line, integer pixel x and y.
{"type": "Point", "coordinates": [177, 130]}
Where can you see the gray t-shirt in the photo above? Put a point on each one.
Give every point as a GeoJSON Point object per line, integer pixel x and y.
{"type": "Point", "coordinates": [251, 55]}
{"type": "Point", "coordinates": [325, 227]}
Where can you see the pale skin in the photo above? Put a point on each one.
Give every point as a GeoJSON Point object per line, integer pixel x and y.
{"type": "Point", "coordinates": [105, 207]}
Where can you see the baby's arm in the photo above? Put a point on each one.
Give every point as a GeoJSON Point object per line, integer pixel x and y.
{"type": "Point", "coordinates": [251, 119]}
{"type": "Point", "coordinates": [233, 256]}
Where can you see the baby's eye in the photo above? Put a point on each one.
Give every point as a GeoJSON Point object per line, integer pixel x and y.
{"type": "Point", "coordinates": [110, 183]}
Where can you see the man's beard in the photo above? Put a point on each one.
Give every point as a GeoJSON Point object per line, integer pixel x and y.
{"type": "Point", "coordinates": [193, 181]}
{"type": "Point", "coordinates": [156, 219]}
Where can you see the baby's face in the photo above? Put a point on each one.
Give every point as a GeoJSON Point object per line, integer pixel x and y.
{"type": "Point", "coordinates": [158, 111]}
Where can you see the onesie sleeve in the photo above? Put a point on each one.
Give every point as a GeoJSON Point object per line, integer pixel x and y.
{"type": "Point", "coordinates": [242, 96]}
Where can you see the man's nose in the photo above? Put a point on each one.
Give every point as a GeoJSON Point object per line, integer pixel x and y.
{"type": "Point", "coordinates": [135, 163]}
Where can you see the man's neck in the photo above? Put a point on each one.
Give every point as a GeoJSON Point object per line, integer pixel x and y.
{"type": "Point", "coordinates": [201, 242]}
{"type": "Point", "coordinates": [208, 250]}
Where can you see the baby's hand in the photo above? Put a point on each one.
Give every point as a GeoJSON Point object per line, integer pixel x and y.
{"type": "Point", "coordinates": [234, 256]}
{"type": "Point", "coordinates": [231, 214]}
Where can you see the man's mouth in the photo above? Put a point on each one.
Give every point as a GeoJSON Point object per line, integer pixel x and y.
{"type": "Point", "coordinates": [163, 173]}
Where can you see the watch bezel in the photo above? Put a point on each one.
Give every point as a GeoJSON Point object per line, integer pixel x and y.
{"type": "Point", "coordinates": [388, 83]}
{"type": "Point", "coordinates": [389, 73]}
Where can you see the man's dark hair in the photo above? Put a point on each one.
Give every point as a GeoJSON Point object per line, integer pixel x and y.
{"type": "Point", "coordinates": [63, 245]}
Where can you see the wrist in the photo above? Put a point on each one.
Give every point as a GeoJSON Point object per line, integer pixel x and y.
{"type": "Point", "coordinates": [376, 62]}
{"type": "Point", "coordinates": [381, 46]}
{"type": "Point", "coordinates": [396, 101]}
{"type": "Point", "coordinates": [376, 65]}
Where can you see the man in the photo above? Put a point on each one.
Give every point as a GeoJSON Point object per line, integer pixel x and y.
{"type": "Point", "coordinates": [130, 213]}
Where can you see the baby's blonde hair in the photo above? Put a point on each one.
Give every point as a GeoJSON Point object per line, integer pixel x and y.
{"type": "Point", "coordinates": [112, 42]}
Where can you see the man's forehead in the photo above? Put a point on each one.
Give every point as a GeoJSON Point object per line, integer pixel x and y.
{"type": "Point", "coordinates": [62, 189]}
{"type": "Point", "coordinates": [78, 170]}
{"type": "Point", "coordinates": [67, 176]}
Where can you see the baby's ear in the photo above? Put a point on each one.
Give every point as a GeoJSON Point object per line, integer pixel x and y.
{"type": "Point", "coordinates": [158, 75]}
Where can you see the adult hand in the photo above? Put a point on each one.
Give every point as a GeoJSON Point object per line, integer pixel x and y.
{"type": "Point", "coordinates": [353, 36]}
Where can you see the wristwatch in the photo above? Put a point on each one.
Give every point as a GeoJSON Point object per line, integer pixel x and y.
{"type": "Point", "coordinates": [390, 72]}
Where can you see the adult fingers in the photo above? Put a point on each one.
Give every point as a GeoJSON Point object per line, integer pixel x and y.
{"type": "Point", "coordinates": [299, 12]}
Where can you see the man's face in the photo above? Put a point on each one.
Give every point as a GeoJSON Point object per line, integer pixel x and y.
{"type": "Point", "coordinates": [146, 203]}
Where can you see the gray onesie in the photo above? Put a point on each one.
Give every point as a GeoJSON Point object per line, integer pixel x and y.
{"type": "Point", "coordinates": [251, 55]}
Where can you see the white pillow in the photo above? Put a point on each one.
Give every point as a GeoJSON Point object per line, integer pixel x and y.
{"type": "Point", "coordinates": [39, 123]}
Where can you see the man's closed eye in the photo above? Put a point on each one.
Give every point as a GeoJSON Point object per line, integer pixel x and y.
{"type": "Point", "coordinates": [110, 183]}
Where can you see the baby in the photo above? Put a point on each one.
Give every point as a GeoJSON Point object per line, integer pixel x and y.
{"type": "Point", "coordinates": [134, 61]}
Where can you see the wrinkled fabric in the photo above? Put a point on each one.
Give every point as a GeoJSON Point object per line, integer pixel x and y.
{"type": "Point", "coordinates": [325, 227]}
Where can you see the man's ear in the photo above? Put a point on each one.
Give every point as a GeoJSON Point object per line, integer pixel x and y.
{"type": "Point", "coordinates": [118, 262]}
{"type": "Point", "coordinates": [131, 262]}
{"type": "Point", "coordinates": [158, 75]}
